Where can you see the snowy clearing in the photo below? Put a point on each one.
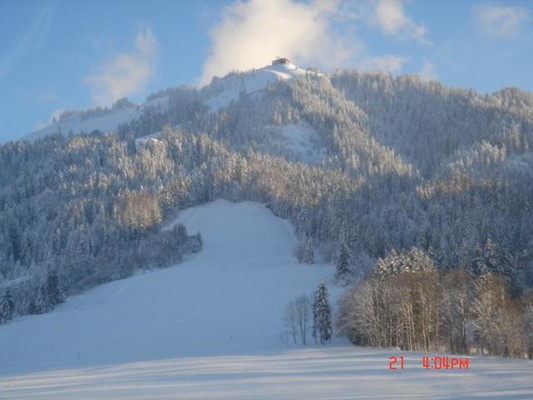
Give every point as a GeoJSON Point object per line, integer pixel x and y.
{"type": "Point", "coordinates": [210, 328]}
{"type": "Point", "coordinates": [303, 142]}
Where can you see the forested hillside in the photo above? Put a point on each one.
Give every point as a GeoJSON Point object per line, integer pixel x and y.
{"type": "Point", "coordinates": [376, 164]}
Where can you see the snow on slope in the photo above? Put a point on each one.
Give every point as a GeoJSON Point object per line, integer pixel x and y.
{"type": "Point", "coordinates": [108, 122]}
{"type": "Point", "coordinates": [228, 299]}
{"type": "Point", "coordinates": [209, 329]}
{"type": "Point", "coordinates": [303, 142]}
{"type": "Point", "coordinates": [252, 82]}
{"type": "Point", "coordinates": [148, 138]}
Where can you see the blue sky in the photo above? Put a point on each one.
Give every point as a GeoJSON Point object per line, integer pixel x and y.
{"type": "Point", "coordinates": [58, 54]}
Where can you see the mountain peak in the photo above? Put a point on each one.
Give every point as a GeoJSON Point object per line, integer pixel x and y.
{"type": "Point", "coordinates": [229, 87]}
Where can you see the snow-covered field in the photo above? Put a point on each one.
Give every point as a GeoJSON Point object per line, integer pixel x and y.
{"type": "Point", "coordinates": [331, 373]}
{"type": "Point", "coordinates": [210, 328]}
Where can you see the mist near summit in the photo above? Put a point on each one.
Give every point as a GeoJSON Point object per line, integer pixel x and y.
{"type": "Point", "coordinates": [250, 34]}
{"type": "Point", "coordinates": [319, 33]}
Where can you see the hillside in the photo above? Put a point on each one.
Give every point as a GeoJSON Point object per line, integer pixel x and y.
{"type": "Point", "coordinates": [101, 120]}
{"type": "Point", "coordinates": [229, 299]}
{"type": "Point", "coordinates": [221, 93]}
{"type": "Point", "coordinates": [383, 174]}
{"type": "Point", "coordinates": [211, 328]}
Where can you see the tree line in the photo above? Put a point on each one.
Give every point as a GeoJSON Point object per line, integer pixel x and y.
{"type": "Point", "coordinates": [406, 164]}
{"type": "Point", "coordinates": [303, 315]}
{"type": "Point", "coordinates": [409, 303]}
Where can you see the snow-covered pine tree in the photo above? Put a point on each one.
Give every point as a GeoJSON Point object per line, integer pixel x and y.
{"type": "Point", "coordinates": [322, 328]}
{"type": "Point", "coordinates": [304, 251]}
{"type": "Point", "coordinates": [180, 233]}
{"type": "Point", "coordinates": [54, 289]}
{"type": "Point", "coordinates": [41, 304]}
{"type": "Point", "coordinates": [342, 265]}
{"type": "Point", "coordinates": [494, 259]}
{"type": "Point", "coordinates": [6, 307]}
{"type": "Point", "coordinates": [198, 244]}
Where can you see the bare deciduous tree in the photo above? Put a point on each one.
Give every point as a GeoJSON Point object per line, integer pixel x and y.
{"type": "Point", "coordinates": [297, 317]}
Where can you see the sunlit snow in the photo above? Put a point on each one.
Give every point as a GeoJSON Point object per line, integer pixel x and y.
{"type": "Point", "coordinates": [253, 82]}
{"type": "Point", "coordinates": [303, 143]}
{"type": "Point", "coordinates": [210, 328]}
{"type": "Point", "coordinates": [105, 123]}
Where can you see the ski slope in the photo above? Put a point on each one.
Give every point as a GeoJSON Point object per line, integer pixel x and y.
{"type": "Point", "coordinates": [210, 328]}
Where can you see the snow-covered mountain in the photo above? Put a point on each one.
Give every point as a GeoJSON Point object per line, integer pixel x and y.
{"type": "Point", "coordinates": [106, 121]}
{"type": "Point", "coordinates": [372, 170]}
{"type": "Point", "coordinates": [219, 94]}
{"type": "Point", "coordinates": [227, 89]}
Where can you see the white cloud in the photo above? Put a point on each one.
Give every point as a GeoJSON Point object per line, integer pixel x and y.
{"type": "Point", "coordinates": [252, 33]}
{"type": "Point", "coordinates": [127, 73]}
{"type": "Point", "coordinates": [391, 19]}
{"type": "Point", "coordinates": [33, 39]}
{"type": "Point", "coordinates": [427, 72]}
{"type": "Point", "coordinates": [503, 22]}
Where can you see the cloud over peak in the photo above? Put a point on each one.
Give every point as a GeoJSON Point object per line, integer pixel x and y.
{"type": "Point", "coordinates": [321, 33]}
{"type": "Point", "coordinates": [252, 33]}
{"type": "Point", "coordinates": [127, 73]}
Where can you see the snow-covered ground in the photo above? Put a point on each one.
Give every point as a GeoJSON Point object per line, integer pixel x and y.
{"type": "Point", "coordinates": [253, 82]}
{"type": "Point", "coordinates": [330, 373]}
{"type": "Point", "coordinates": [148, 138]}
{"type": "Point", "coordinates": [303, 142]}
{"type": "Point", "coordinates": [105, 123]}
{"type": "Point", "coordinates": [210, 328]}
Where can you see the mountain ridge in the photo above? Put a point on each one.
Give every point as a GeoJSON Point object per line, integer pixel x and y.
{"type": "Point", "coordinates": [108, 120]}
{"type": "Point", "coordinates": [366, 161]}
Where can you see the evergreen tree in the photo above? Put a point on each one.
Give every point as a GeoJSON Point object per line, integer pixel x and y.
{"type": "Point", "coordinates": [198, 244]}
{"type": "Point", "coordinates": [493, 259]}
{"type": "Point", "coordinates": [304, 251]}
{"type": "Point", "coordinates": [180, 232]}
{"type": "Point", "coordinates": [6, 307]}
{"type": "Point", "coordinates": [342, 265]}
{"type": "Point", "coordinates": [41, 304]}
{"type": "Point", "coordinates": [322, 328]}
{"type": "Point", "coordinates": [412, 176]}
{"type": "Point", "coordinates": [54, 290]}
